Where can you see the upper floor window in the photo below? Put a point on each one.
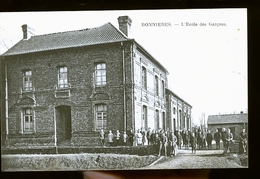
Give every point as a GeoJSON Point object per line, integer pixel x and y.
{"type": "Point", "coordinates": [63, 77]}
{"type": "Point", "coordinates": [101, 116]}
{"type": "Point", "coordinates": [163, 89]}
{"type": "Point", "coordinates": [156, 86]}
{"type": "Point", "coordinates": [27, 81]}
{"type": "Point", "coordinates": [100, 74]}
{"type": "Point", "coordinates": [144, 78]}
{"type": "Point", "coordinates": [174, 110]}
{"type": "Point", "coordinates": [28, 121]}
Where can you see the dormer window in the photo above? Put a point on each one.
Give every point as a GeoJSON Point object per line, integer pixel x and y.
{"type": "Point", "coordinates": [27, 81]}
{"type": "Point", "coordinates": [63, 77]}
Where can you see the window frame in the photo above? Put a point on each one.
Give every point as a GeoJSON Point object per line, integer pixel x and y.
{"type": "Point", "coordinates": [156, 85]}
{"type": "Point", "coordinates": [100, 73]}
{"type": "Point", "coordinates": [144, 78]}
{"type": "Point", "coordinates": [103, 115]}
{"type": "Point", "coordinates": [144, 117]}
{"type": "Point", "coordinates": [31, 120]}
{"type": "Point", "coordinates": [27, 79]}
{"type": "Point", "coordinates": [63, 76]}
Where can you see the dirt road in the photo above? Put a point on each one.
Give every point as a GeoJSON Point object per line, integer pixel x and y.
{"type": "Point", "coordinates": [202, 159]}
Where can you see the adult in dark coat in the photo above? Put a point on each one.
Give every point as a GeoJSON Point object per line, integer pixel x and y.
{"type": "Point", "coordinates": [243, 141]}
{"type": "Point", "coordinates": [224, 139]}
{"type": "Point", "coordinates": [209, 139]}
{"type": "Point", "coordinates": [131, 138]}
{"type": "Point", "coordinates": [217, 139]}
{"type": "Point", "coordinates": [179, 139]}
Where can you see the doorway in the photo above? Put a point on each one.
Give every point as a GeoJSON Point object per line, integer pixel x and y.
{"type": "Point", "coordinates": [63, 123]}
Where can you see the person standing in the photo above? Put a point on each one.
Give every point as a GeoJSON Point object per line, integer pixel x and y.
{"type": "Point", "coordinates": [102, 137]}
{"type": "Point", "coordinates": [139, 138]}
{"type": "Point", "coordinates": [163, 144]}
{"type": "Point", "coordinates": [131, 138]}
{"type": "Point", "coordinates": [153, 137]}
{"type": "Point", "coordinates": [148, 135]}
{"type": "Point", "coordinates": [229, 139]}
{"type": "Point", "coordinates": [110, 137]}
{"type": "Point", "coordinates": [172, 144]}
{"type": "Point", "coordinates": [125, 138]}
{"type": "Point", "coordinates": [217, 139]}
{"type": "Point", "coordinates": [243, 140]}
{"type": "Point", "coordinates": [117, 137]}
{"type": "Point", "coordinates": [224, 139]}
{"type": "Point", "coordinates": [209, 139]}
{"type": "Point", "coordinates": [193, 142]}
{"type": "Point", "coordinates": [179, 139]}
{"type": "Point", "coordinates": [144, 139]}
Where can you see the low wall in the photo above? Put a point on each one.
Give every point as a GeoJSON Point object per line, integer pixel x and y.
{"type": "Point", "coordinates": [69, 162]}
{"type": "Point", "coordinates": [136, 150]}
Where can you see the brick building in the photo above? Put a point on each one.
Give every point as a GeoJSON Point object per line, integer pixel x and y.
{"type": "Point", "coordinates": [234, 122]}
{"type": "Point", "coordinates": [178, 113]}
{"type": "Point", "coordinates": [67, 86]}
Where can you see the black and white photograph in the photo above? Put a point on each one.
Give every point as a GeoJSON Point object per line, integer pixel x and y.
{"type": "Point", "coordinates": [124, 90]}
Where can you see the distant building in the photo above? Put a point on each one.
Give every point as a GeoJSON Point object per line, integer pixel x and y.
{"type": "Point", "coordinates": [179, 112]}
{"type": "Point", "coordinates": [234, 122]}
{"type": "Point", "coordinates": [66, 86]}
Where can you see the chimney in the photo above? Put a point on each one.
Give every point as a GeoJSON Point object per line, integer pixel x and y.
{"type": "Point", "coordinates": [27, 31]}
{"type": "Point", "coordinates": [125, 24]}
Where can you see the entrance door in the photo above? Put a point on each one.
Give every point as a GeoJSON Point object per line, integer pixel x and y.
{"type": "Point", "coordinates": [63, 123]}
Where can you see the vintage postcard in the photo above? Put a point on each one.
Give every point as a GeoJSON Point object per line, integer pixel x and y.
{"type": "Point", "coordinates": [124, 90]}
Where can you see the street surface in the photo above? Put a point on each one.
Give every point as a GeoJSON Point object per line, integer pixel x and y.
{"type": "Point", "coordinates": [202, 159]}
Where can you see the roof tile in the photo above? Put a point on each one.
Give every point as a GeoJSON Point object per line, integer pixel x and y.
{"type": "Point", "coordinates": [106, 33]}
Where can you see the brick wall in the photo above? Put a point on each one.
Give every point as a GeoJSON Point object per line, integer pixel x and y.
{"type": "Point", "coordinates": [83, 96]}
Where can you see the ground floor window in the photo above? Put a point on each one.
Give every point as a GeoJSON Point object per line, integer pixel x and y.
{"type": "Point", "coordinates": [101, 116]}
{"type": "Point", "coordinates": [28, 121]}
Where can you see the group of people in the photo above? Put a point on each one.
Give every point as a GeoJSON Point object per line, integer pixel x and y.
{"type": "Point", "coordinates": [167, 142]}
{"type": "Point", "coordinates": [164, 141]}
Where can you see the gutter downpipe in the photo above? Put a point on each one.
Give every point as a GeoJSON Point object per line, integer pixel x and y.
{"type": "Point", "coordinates": [123, 53]}
{"type": "Point", "coordinates": [55, 131]}
{"type": "Point", "coordinates": [6, 107]}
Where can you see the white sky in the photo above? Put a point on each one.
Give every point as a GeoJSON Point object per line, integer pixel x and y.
{"type": "Point", "coordinates": [207, 65]}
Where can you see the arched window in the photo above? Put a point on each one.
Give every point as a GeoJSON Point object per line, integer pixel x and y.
{"type": "Point", "coordinates": [145, 122]}
{"type": "Point", "coordinates": [101, 116]}
{"type": "Point", "coordinates": [157, 119]}
{"type": "Point", "coordinates": [174, 110]}
{"type": "Point", "coordinates": [144, 78]}
{"type": "Point", "coordinates": [156, 86]}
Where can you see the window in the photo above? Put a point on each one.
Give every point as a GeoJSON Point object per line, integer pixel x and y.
{"type": "Point", "coordinates": [163, 90]}
{"type": "Point", "coordinates": [100, 74]}
{"type": "Point", "coordinates": [163, 121]}
{"type": "Point", "coordinates": [174, 110]}
{"type": "Point", "coordinates": [101, 116]}
{"type": "Point", "coordinates": [144, 78]}
{"type": "Point", "coordinates": [157, 122]}
{"type": "Point", "coordinates": [28, 122]}
{"type": "Point", "coordinates": [156, 86]}
{"type": "Point", "coordinates": [27, 83]}
{"type": "Point", "coordinates": [63, 77]}
{"type": "Point", "coordinates": [145, 122]}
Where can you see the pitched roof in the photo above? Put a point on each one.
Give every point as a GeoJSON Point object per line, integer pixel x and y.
{"type": "Point", "coordinates": [106, 33]}
{"type": "Point", "coordinates": [227, 118]}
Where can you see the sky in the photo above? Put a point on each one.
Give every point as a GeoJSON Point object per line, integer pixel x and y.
{"type": "Point", "coordinates": [207, 64]}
